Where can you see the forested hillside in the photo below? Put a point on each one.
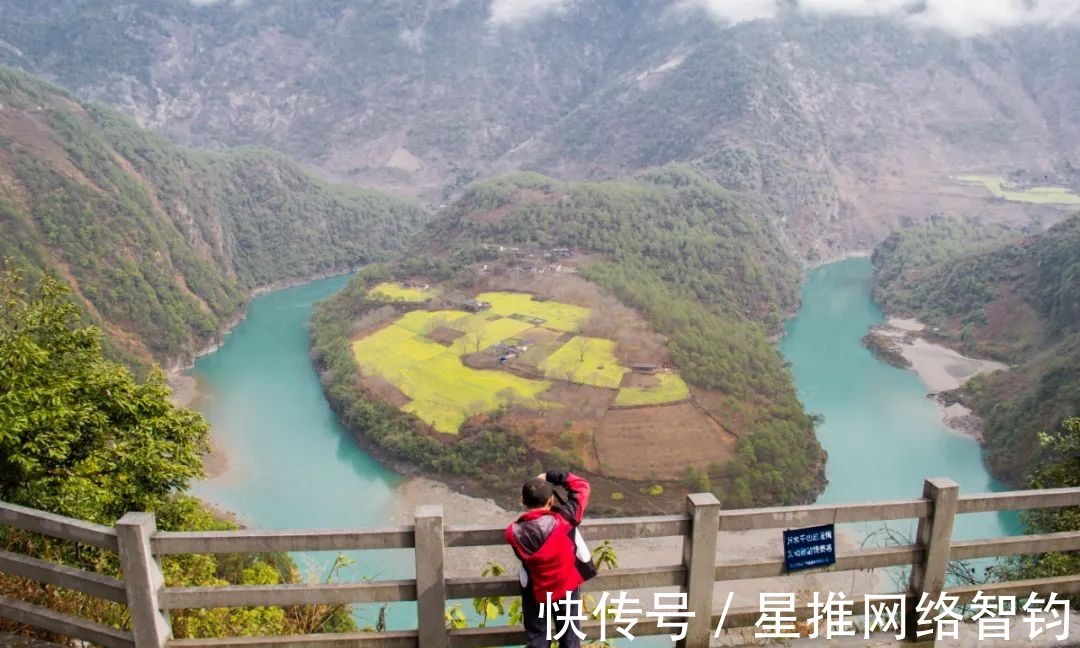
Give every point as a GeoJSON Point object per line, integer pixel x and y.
{"type": "Point", "coordinates": [163, 244]}
{"type": "Point", "coordinates": [1018, 301]}
{"type": "Point", "coordinates": [848, 125]}
{"type": "Point", "coordinates": [700, 263]}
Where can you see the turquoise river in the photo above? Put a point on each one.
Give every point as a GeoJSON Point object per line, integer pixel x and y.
{"type": "Point", "coordinates": [291, 465]}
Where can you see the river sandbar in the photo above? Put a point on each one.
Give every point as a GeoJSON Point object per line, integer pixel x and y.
{"type": "Point", "coordinates": [943, 369]}
{"type": "Point", "coordinates": [186, 394]}
{"type": "Point", "coordinates": [940, 368]}
{"type": "Point", "coordinates": [185, 389]}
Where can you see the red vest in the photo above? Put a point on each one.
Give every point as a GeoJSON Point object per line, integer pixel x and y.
{"type": "Point", "coordinates": [552, 567]}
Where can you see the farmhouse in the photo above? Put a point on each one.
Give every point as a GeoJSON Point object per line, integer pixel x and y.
{"type": "Point", "coordinates": [476, 306]}
{"type": "Point", "coordinates": [645, 368]}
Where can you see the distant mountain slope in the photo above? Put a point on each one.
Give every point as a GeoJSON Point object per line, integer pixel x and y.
{"type": "Point", "coordinates": [1018, 300]}
{"type": "Point", "coordinates": [715, 245]}
{"type": "Point", "coordinates": [702, 265]}
{"type": "Point", "coordinates": [849, 125]}
{"type": "Point", "coordinates": [163, 244]}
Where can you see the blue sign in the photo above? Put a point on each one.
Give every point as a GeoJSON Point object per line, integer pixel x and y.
{"type": "Point", "coordinates": [809, 547]}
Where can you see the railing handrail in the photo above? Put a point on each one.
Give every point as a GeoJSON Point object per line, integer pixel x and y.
{"type": "Point", "coordinates": [57, 526]}
{"type": "Point", "coordinates": [619, 528]}
{"type": "Point", "coordinates": [140, 547]}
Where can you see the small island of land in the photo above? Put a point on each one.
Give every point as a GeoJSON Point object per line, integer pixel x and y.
{"type": "Point", "coordinates": [619, 328]}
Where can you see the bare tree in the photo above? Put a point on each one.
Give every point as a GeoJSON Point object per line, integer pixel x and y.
{"type": "Point", "coordinates": [509, 397]}
{"type": "Point", "coordinates": [473, 338]}
{"type": "Point", "coordinates": [957, 571]}
{"type": "Point", "coordinates": [475, 408]}
{"type": "Point", "coordinates": [581, 344]}
{"type": "Point", "coordinates": [567, 370]}
{"type": "Point", "coordinates": [434, 324]}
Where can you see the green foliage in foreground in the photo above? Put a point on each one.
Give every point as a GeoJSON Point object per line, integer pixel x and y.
{"type": "Point", "coordinates": [80, 437]}
{"type": "Point", "coordinates": [1059, 467]}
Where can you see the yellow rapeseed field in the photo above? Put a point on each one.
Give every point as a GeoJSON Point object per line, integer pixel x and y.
{"type": "Point", "coordinates": [392, 291]}
{"type": "Point", "coordinates": [1037, 195]}
{"type": "Point", "coordinates": [443, 391]}
{"type": "Point", "coordinates": [556, 315]}
{"type": "Point", "coordinates": [671, 389]}
{"type": "Point", "coordinates": [585, 360]}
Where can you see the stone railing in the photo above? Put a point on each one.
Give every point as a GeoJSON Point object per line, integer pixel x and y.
{"type": "Point", "coordinates": [140, 546]}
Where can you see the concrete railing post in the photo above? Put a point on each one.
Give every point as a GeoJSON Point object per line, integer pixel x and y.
{"type": "Point", "coordinates": [142, 579]}
{"type": "Point", "coordinates": [430, 577]}
{"type": "Point", "coordinates": [699, 558]}
{"type": "Point", "coordinates": [934, 536]}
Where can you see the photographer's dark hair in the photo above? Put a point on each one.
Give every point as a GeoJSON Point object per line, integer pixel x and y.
{"type": "Point", "coordinates": [536, 493]}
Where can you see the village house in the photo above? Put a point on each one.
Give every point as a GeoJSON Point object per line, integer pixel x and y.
{"type": "Point", "coordinates": [476, 306]}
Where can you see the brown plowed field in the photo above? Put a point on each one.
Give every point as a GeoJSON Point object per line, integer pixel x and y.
{"type": "Point", "coordinates": [660, 441]}
{"type": "Point", "coordinates": [384, 390]}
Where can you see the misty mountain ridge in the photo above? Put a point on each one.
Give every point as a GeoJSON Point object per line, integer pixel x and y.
{"type": "Point", "coordinates": [848, 124]}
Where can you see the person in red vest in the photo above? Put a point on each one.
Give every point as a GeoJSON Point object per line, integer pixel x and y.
{"type": "Point", "coordinates": [553, 557]}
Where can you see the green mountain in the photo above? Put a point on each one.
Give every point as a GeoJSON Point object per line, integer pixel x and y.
{"type": "Point", "coordinates": [1017, 300]}
{"type": "Point", "coordinates": [849, 125]}
{"type": "Point", "coordinates": [161, 244]}
{"type": "Point", "coordinates": [698, 263]}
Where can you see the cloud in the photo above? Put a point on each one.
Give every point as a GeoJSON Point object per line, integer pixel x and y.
{"type": "Point", "coordinates": [960, 17]}
{"type": "Point", "coordinates": [516, 12]}
{"type": "Point", "coordinates": [731, 11]}
{"type": "Point", "coordinates": [206, 3]}
{"type": "Point", "coordinates": [989, 15]}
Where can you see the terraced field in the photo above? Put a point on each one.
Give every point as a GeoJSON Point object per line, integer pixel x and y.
{"type": "Point", "coordinates": [670, 389]}
{"type": "Point", "coordinates": [393, 291]}
{"type": "Point", "coordinates": [555, 315]}
{"type": "Point", "coordinates": [1037, 195]}
{"type": "Point", "coordinates": [586, 360]}
{"type": "Point", "coordinates": [421, 355]}
{"type": "Point", "coordinates": [442, 391]}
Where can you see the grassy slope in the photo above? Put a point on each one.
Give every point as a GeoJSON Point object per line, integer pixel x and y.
{"type": "Point", "coordinates": [161, 243]}
{"type": "Point", "coordinates": [696, 260]}
{"type": "Point", "coordinates": [1019, 301]}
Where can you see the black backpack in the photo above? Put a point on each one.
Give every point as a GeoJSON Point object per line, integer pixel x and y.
{"type": "Point", "coordinates": [583, 559]}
